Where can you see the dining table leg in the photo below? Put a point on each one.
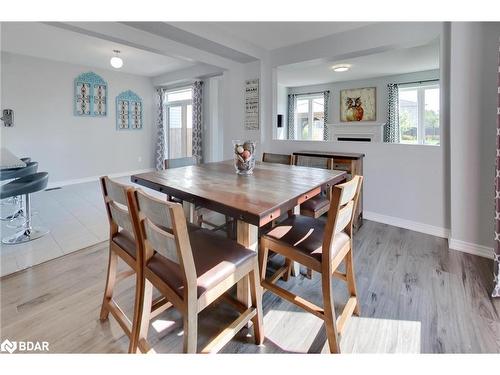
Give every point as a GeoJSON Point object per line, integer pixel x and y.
{"type": "Point", "coordinates": [188, 211]}
{"type": "Point", "coordinates": [248, 236]}
{"type": "Point", "coordinates": [295, 265]}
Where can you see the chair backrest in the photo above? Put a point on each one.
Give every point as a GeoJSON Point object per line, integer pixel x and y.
{"type": "Point", "coordinates": [163, 229]}
{"type": "Point", "coordinates": [314, 161]}
{"type": "Point", "coordinates": [180, 162]}
{"type": "Point", "coordinates": [268, 157]}
{"type": "Point", "coordinates": [342, 210]}
{"type": "Point", "coordinates": [118, 208]}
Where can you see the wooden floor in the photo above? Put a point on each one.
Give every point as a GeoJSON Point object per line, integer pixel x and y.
{"type": "Point", "coordinates": [416, 296]}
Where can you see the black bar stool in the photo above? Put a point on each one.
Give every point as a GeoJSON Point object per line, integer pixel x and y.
{"type": "Point", "coordinates": [25, 186]}
{"type": "Point", "coordinates": [12, 173]}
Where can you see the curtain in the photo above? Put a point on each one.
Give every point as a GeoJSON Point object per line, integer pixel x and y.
{"type": "Point", "coordinates": [197, 120]}
{"type": "Point", "coordinates": [292, 106]}
{"type": "Point", "coordinates": [161, 141]}
{"type": "Point", "coordinates": [391, 127]}
{"type": "Point", "coordinates": [326, 97]}
{"type": "Point", "coordinates": [496, 288]}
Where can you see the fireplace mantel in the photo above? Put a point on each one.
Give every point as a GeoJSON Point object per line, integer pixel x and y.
{"type": "Point", "coordinates": [368, 131]}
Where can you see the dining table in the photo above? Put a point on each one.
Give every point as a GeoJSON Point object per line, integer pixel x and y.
{"type": "Point", "coordinates": [9, 160]}
{"type": "Point", "coordinates": [253, 201]}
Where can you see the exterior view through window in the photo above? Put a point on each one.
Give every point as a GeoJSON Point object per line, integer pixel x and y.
{"type": "Point", "coordinates": [179, 122]}
{"type": "Point", "coordinates": [310, 117]}
{"type": "Point", "coordinates": [419, 115]}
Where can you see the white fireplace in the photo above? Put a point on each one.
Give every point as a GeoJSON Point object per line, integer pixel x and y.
{"type": "Point", "coordinates": [356, 132]}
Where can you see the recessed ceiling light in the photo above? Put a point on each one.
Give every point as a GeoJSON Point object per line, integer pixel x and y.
{"type": "Point", "coordinates": [116, 62]}
{"type": "Point", "coordinates": [341, 67]}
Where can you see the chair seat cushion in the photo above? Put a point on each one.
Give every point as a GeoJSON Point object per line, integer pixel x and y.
{"type": "Point", "coordinates": [126, 241]}
{"type": "Point", "coordinates": [315, 203]}
{"type": "Point", "coordinates": [215, 258]}
{"type": "Point", "coordinates": [306, 235]}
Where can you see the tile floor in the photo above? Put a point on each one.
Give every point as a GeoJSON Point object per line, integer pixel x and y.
{"type": "Point", "coordinates": [75, 216]}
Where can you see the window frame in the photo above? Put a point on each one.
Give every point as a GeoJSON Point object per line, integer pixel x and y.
{"type": "Point", "coordinates": [310, 117]}
{"type": "Point", "coordinates": [184, 129]}
{"type": "Point", "coordinates": [420, 111]}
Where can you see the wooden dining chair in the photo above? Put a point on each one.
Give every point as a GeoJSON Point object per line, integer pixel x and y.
{"type": "Point", "coordinates": [191, 270]}
{"type": "Point", "coordinates": [124, 244]}
{"type": "Point", "coordinates": [286, 159]}
{"type": "Point", "coordinates": [199, 212]}
{"type": "Point", "coordinates": [322, 247]}
{"type": "Point", "coordinates": [319, 204]}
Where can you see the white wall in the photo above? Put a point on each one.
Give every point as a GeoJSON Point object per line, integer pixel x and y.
{"type": "Point", "coordinates": [381, 88]}
{"type": "Point", "coordinates": [233, 99]}
{"type": "Point", "coordinates": [68, 147]}
{"type": "Point", "coordinates": [473, 103]}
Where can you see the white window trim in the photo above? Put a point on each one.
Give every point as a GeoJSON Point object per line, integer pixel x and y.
{"type": "Point", "coordinates": [177, 103]}
{"type": "Point", "coordinates": [310, 118]}
{"type": "Point", "coordinates": [421, 112]}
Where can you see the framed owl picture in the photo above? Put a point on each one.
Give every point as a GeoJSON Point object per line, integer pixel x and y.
{"type": "Point", "coordinates": [358, 104]}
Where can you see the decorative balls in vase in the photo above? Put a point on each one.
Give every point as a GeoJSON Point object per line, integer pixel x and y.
{"type": "Point", "coordinates": [244, 157]}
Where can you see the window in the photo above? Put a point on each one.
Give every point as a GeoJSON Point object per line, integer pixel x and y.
{"type": "Point", "coordinates": [179, 122]}
{"type": "Point", "coordinates": [310, 117]}
{"type": "Point", "coordinates": [419, 114]}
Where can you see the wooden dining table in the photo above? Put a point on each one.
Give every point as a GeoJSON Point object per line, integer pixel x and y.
{"type": "Point", "coordinates": [253, 201]}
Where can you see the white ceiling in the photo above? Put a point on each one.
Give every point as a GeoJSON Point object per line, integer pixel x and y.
{"type": "Point", "coordinates": [54, 43]}
{"type": "Point", "coordinates": [392, 62]}
{"type": "Point", "coordinates": [272, 35]}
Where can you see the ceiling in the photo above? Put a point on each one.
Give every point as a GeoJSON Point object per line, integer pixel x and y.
{"type": "Point", "coordinates": [392, 62]}
{"type": "Point", "coordinates": [54, 43]}
{"type": "Point", "coordinates": [272, 35]}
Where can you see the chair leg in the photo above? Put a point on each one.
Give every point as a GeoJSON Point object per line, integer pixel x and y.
{"type": "Point", "coordinates": [140, 332]}
{"type": "Point", "coordinates": [256, 295]}
{"type": "Point", "coordinates": [288, 273]}
{"type": "Point", "coordinates": [329, 309]}
{"type": "Point", "coordinates": [110, 285]}
{"type": "Point", "coordinates": [190, 330]}
{"type": "Point", "coordinates": [138, 304]}
{"type": "Point", "coordinates": [263, 253]}
{"type": "Point", "coordinates": [351, 281]}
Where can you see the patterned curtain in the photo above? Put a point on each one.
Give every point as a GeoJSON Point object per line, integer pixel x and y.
{"type": "Point", "coordinates": [326, 96]}
{"type": "Point", "coordinates": [197, 120]}
{"type": "Point", "coordinates": [161, 141]}
{"type": "Point", "coordinates": [391, 127]}
{"type": "Point", "coordinates": [292, 105]}
{"type": "Point", "coordinates": [496, 288]}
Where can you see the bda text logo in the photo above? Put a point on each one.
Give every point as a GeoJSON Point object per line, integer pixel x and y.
{"type": "Point", "coordinates": [8, 346]}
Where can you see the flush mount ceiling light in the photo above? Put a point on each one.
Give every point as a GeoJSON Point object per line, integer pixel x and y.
{"type": "Point", "coordinates": [341, 67]}
{"type": "Point", "coordinates": [116, 62]}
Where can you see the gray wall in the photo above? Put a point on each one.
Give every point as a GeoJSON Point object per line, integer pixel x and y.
{"type": "Point", "coordinates": [68, 147]}
{"type": "Point", "coordinates": [473, 107]}
{"type": "Point", "coordinates": [380, 83]}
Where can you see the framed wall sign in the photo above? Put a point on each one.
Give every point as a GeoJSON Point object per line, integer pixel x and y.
{"type": "Point", "coordinates": [128, 111]}
{"type": "Point", "coordinates": [252, 104]}
{"type": "Point", "coordinates": [90, 96]}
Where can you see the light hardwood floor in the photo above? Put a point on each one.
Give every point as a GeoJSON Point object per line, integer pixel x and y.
{"type": "Point", "coordinates": [416, 296]}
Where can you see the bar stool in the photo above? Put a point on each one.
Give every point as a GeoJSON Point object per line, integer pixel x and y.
{"type": "Point", "coordinates": [13, 173]}
{"type": "Point", "coordinates": [25, 186]}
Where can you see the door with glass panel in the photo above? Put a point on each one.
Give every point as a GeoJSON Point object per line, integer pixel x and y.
{"type": "Point", "coordinates": [179, 123]}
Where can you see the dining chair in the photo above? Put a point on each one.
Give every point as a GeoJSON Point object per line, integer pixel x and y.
{"type": "Point", "coordinates": [191, 270]}
{"type": "Point", "coordinates": [199, 211]}
{"type": "Point", "coordinates": [322, 247]}
{"type": "Point", "coordinates": [286, 159]}
{"type": "Point", "coordinates": [319, 204]}
{"type": "Point", "coordinates": [124, 244]}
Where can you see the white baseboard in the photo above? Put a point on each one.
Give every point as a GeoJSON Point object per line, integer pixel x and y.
{"type": "Point", "coordinates": [52, 185]}
{"type": "Point", "coordinates": [471, 248]}
{"type": "Point", "coordinates": [453, 244]}
{"type": "Point", "coordinates": [407, 224]}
